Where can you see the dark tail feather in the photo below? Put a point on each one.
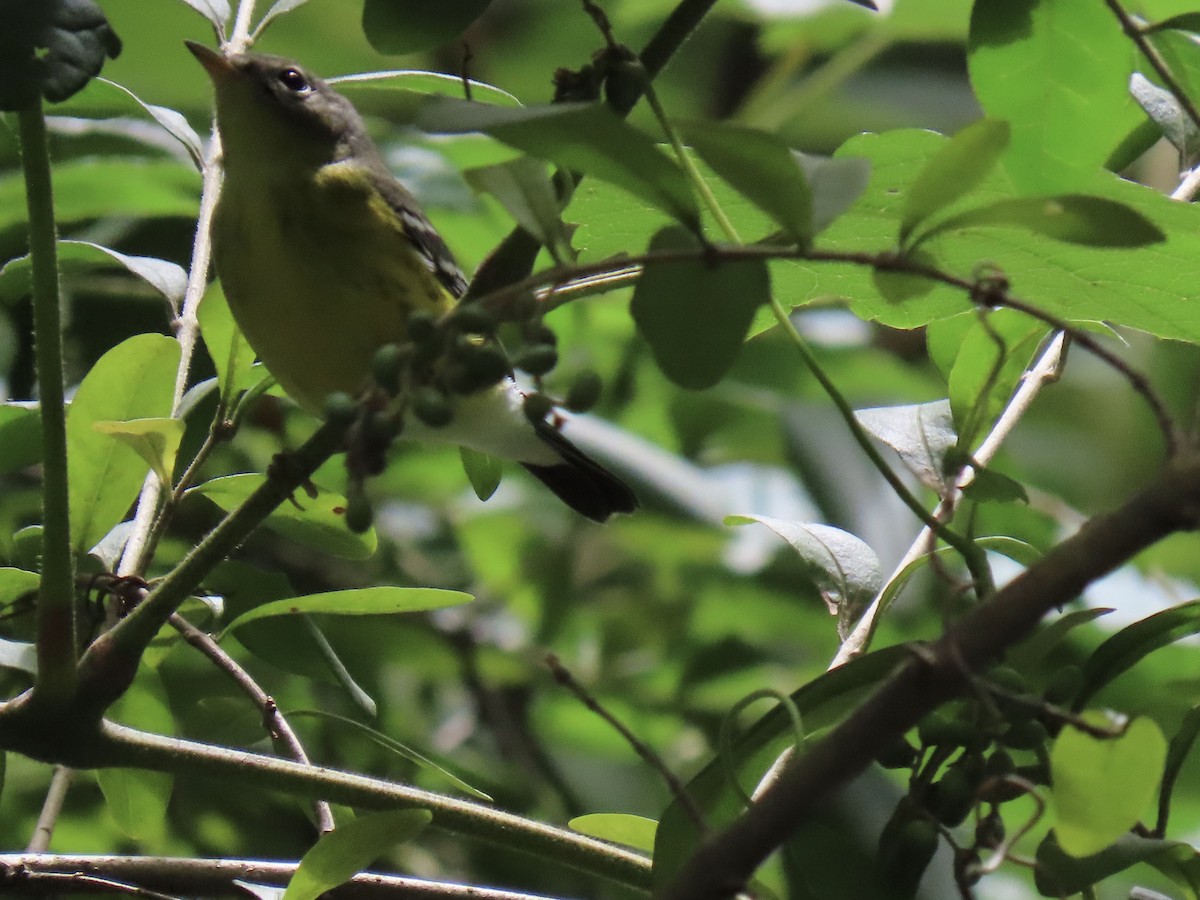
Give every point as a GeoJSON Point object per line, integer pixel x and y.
{"type": "Point", "coordinates": [581, 482]}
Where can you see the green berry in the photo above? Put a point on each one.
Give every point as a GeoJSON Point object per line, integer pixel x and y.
{"type": "Point", "coordinates": [422, 328]}
{"type": "Point", "coordinates": [537, 359]}
{"type": "Point", "coordinates": [432, 407]}
{"type": "Point", "coordinates": [1064, 685]}
{"type": "Point", "coordinates": [359, 514]}
{"type": "Point", "coordinates": [471, 318]}
{"type": "Point", "coordinates": [537, 407]}
{"type": "Point", "coordinates": [387, 366]}
{"type": "Point", "coordinates": [584, 391]}
{"type": "Point", "coordinates": [340, 408]}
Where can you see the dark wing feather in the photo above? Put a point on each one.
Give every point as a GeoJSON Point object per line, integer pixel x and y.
{"type": "Point", "coordinates": [419, 230]}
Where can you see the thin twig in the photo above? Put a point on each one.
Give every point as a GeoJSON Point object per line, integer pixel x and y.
{"type": "Point", "coordinates": [273, 720]}
{"type": "Point", "coordinates": [217, 878]}
{"type": "Point", "coordinates": [1135, 34]}
{"type": "Point", "coordinates": [988, 292]}
{"type": "Point", "coordinates": [52, 807]}
{"type": "Point", "coordinates": [563, 676]}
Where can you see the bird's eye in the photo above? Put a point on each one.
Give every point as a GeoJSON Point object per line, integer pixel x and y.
{"type": "Point", "coordinates": [294, 81]}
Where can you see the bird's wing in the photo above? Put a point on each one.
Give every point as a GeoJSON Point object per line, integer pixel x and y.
{"type": "Point", "coordinates": [420, 231]}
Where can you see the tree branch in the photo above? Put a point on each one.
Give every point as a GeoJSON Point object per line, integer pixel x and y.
{"type": "Point", "coordinates": [724, 863]}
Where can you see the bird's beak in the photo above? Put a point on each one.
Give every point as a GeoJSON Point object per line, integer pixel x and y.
{"type": "Point", "coordinates": [216, 64]}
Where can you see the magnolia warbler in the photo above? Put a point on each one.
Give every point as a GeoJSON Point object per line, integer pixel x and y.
{"type": "Point", "coordinates": [325, 257]}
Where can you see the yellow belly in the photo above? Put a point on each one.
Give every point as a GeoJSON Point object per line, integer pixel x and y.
{"type": "Point", "coordinates": [318, 279]}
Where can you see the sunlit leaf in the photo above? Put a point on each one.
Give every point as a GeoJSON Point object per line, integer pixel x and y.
{"type": "Point", "coordinates": [376, 601]}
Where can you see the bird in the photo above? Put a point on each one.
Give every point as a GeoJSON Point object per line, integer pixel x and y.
{"type": "Point", "coordinates": [325, 257]}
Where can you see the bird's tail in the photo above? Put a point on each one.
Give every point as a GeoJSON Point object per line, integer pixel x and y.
{"type": "Point", "coordinates": [581, 482]}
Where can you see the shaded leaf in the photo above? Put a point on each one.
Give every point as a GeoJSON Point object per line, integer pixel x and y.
{"type": "Point", "coordinates": [483, 471]}
{"type": "Point", "coordinates": [583, 137]}
{"type": "Point", "coordinates": [1133, 643]}
{"type": "Point", "coordinates": [835, 184]}
{"type": "Point", "coordinates": [1074, 218]}
{"type": "Point", "coordinates": [154, 440]}
{"type": "Point", "coordinates": [922, 434]}
{"type": "Point", "coordinates": [524, 190]}
{"type": "Point", "coordinates": [369, 90]}
{"type": "Point", "coordinates": [1058, 874]}
{"type": "Point", "coordinates": [1101, 786]}
{"type": "Point", "coordinates": [844, 566]}
{"type": "Point", "coordinates": [394, 746]}
{"type": "Point", "coordinates": [231, 353]}
{"type": "Point", "coordinates": [693, 314]}
{"type": "Point", "coordinates": [318, 522]}
{"type": "Point", "coordinates": [409, 26]}
{"type": "Point", "coordinates": [133, 380]}
{"type": "Point", "coordinates": [18, 655]}
{"type": "Point", "coordinates": [339, 855]}
{"type": "Point", "coordinates": [172, 122]}
{"type": "Point", "coordinates": [761, 167]}
{"type": "Point", "coordinates": [166, 277]}
{"type": "Point", "coordinates": [20, 436]}
{"type": "Point", "coordinates": [137, 798]}
{"type": "Point", "coordinates": [376, 601]}
{"type": "Point", "coordinates": [1164, 110]}
{"type": "Point", "coordinates": [955, 170]}
{"type": "Point", "coordinates": [216, 11]}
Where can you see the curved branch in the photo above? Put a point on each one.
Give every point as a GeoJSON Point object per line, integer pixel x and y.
{"type": "Point", "coordinates": [938, 672]}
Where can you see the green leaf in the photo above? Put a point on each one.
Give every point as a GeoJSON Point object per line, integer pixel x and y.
{"type": "Point", "coordinates": [845, 568]}
{"type": "Point", "coordinates": [695, 315]}
{"type": "Point", "coordinates": [990, 486]}
{"type": "Point", "coordinates": [137, 798]}
{"type": "Point", "coordinates": [339, 855]}
{"type": "Point", "coordinates": [1180, 748]}
{"type": "Point", "coordinates": [1101, 786]}
{"type": "Point", "coordinates": [759, 166]}
{"type": "Point", "coordinates": [101, 188]}
{"type": "Point", "coordinates": [18, 655]}
{"type": "Point", "coordinates": [1059, 875]}
{"type": "Point", "coordinates": [1076, 282]}
{"type": "Point", "coordinates": [955, 170]}
{"type": "Point", "coordinates": [51, 48]}
{"type": "Point", "coordinates": [922, 434]}
{"type": "Point", "coordinates": [1133, 643]}
{"type": "Point", "coordinates": [618, 828]}
{"type": "Point", "coordinates": [394, 746]}
{"type": "Point", "coordinates": [585, 138]}
{"type": "Point", "coordinates": [134, 380]}
{"type": "Point", "coordinates": [20, 436]}
{"type": "Point", "coordinates": [376, 601]}
{"type": "Point", "coordinates": [154, 440]}
{"type": "Point", "coordinates": [76, 257]}
{"type": "Point", "coordinates": [1056, 70]}
{"type": "Point", "coordinates": [172, 122]}
{"type": "Point", "coordinates": [1165, 111]}
{"type": "Point", "coordinates": [483, 471]}
{"type": "Point", "coordinates": [1189, 21]}
{"type": "Point", "coordinates": [16, 583]}
{"type": "Point", "coordinates": [370, 90]}
{"type": "Point", "coordinates": [1074, 218]}
{"type": "Point", "coordinates": [835, 184]}
{"type": "Point", "coordinates": [993, 356]}
{"type": "Point", "coordinates": [231, 353]}
{"type": "Point", "coordinates": [524, 190]}
{"type": "Point", "coordinates": [410, 26]}
{"type": "Point", "coordinates": [216, 11]}
{"type": "Point", "coordinates": [317, 522]}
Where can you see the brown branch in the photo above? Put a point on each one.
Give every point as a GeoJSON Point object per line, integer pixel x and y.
{"type": "Point", "coordinates": [724, 863]}
{"type": "Point", "coordinates": [277, 726]}
{"type": "Point", "coordinates": [34, 874]}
